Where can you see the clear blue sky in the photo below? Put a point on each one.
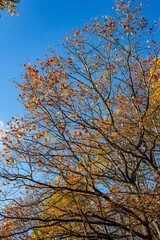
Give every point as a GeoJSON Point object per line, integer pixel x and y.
{"type": "Point", "coordinates": [40, 23]}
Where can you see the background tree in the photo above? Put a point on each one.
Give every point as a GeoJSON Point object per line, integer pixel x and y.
{"type": "Point", "coordinates": [86, 155]}
{"type": "Point", "coordinates": [10, 5]}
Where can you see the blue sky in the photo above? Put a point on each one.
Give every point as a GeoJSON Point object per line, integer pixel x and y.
{"type": "Point", "coordinates": [40, 23]}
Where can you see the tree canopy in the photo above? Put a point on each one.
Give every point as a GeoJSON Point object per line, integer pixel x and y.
{"type": "Point", "coordinates": [83, 163]}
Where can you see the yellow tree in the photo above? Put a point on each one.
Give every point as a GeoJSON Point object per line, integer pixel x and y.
{"type": "Point", "coordinates": [155, 76]}
{"type": "Point", "coordinates": [86, 154]}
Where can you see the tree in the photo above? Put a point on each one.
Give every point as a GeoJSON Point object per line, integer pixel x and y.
{"type": "Point", "coordinates": [86, 154]}
{"type": "Point", "coordinates": [10, 5]}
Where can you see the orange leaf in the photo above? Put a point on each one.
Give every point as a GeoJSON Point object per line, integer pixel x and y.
{"type": "Point", "coordinates": [156, 178]}
{"type": "Point", "coordinates": [157, 193]}
{"type": "Point", "coordinates": [78, 32]}
{"type": "Point", "coordinates": [95, 97]}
